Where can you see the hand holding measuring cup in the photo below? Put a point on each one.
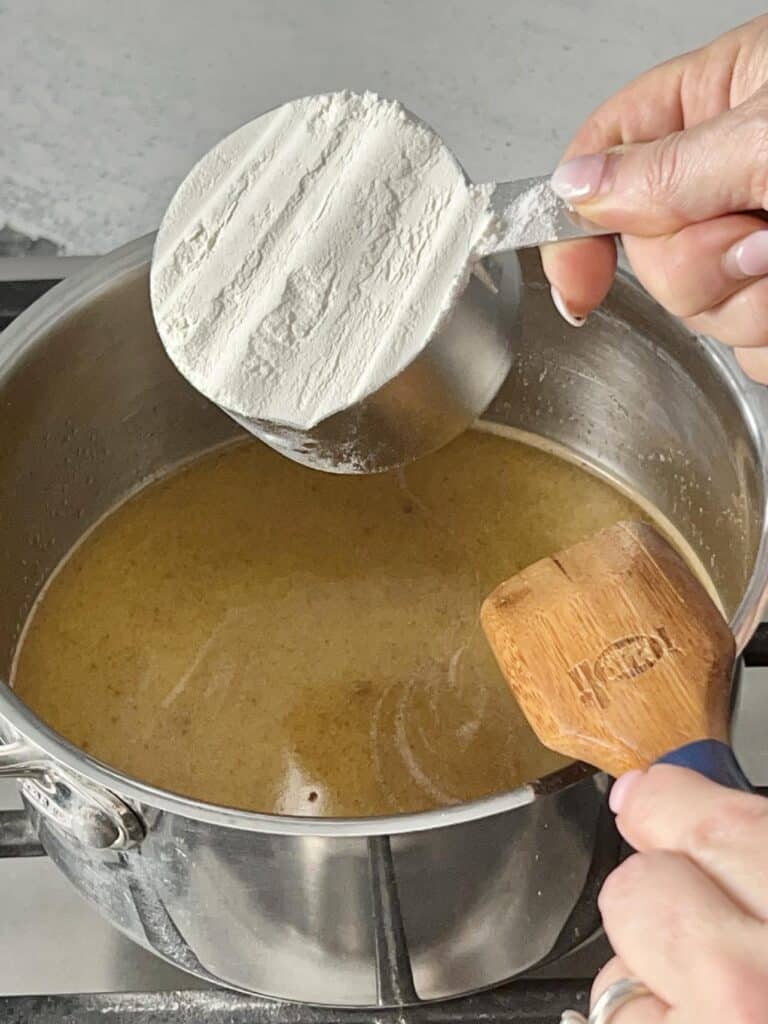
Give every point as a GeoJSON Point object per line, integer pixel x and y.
{"type": "Point", "coordinates": [677, 164]}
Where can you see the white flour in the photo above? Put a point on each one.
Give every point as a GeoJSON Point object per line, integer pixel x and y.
{"type": "Point", "coordinates": [310, 256]}
{"type": "Point", "coordinates": [534, 215]}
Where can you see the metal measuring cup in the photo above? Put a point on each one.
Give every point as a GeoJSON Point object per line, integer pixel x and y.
{"type": "Point", "coordinates": [461, 368]}
{"type": "Point", "coordinates": [456, 375]}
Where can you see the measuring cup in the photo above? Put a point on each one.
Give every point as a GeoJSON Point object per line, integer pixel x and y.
{"type": "Point", "coordinates": [461, 368]}
{"type": "Point", "coordinates": [458, 372]}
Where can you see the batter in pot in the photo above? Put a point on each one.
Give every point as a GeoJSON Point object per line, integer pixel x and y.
{"type": "Point", "coordinates": [257, 634]}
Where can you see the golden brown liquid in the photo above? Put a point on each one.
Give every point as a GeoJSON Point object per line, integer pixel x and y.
{"type": "Point", "coordinates": [252, 633]}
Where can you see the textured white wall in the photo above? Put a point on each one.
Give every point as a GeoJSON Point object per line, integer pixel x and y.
{"type": "Point", "coordinates": [104, 104]}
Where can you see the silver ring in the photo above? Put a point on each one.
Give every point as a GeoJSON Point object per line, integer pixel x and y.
{"type": "Point", "coordinates": [614, 997]}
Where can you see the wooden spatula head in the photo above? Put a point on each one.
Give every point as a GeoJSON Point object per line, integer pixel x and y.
{"type": "Point", "coordinates": [614, 649]}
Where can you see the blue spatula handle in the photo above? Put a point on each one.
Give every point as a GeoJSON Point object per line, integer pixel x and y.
{"type": "Point", "coordinates": [713, 759]}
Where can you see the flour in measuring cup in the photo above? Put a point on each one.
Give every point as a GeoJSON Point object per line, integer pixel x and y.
{"type": "Point", "coordinates": [311, 255]}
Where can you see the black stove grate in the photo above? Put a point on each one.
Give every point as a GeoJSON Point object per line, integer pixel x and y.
{"type": "Point", "coordinates": [535, 1002]}
{"type": "Point", "coordinates": [15, 296]}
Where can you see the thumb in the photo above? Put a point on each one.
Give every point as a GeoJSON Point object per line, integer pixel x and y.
{"type": "Point", "coordinates": [719, 166]}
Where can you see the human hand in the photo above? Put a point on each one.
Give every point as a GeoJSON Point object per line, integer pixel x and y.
{"type": "Point", "coordinates": [682, 188]}
{"type": "Point", "coordinates": [688, 913]}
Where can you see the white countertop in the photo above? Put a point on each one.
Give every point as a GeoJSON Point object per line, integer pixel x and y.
{"type": "Point", "coordinates": [106, 105]}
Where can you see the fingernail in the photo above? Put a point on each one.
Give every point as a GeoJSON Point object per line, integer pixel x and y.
{"type": "Point", "coordinates": [620, 789]}
{"type": "Point", "coordinates": [580, 178]}
{"type": "Point", "coordinates": [749, 257]}
{"type": "Point", "coordinates": [562, 308]}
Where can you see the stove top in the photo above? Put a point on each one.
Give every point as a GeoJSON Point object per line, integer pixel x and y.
{"type": "Point", "coordinates": [59, 961]}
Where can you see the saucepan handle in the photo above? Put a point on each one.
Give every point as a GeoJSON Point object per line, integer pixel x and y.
{"type": "Point", "coordinates": [20, 759]}
{"type": "Point", "coordinates": [67, 801]}
{"type": "Point", "coordinates": [713, 759]}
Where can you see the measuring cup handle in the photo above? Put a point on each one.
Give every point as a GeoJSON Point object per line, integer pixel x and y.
{"type": "Point", "coordinates": [713, 759]}
{"type": "Point", "coordinates": [527, 213]}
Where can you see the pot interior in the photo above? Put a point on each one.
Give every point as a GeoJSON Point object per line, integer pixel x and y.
{"type": "Point", "coordinates": [92, 409]}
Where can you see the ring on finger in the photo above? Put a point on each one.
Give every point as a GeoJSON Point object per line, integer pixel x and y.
{"type": "Point", "coordinates": [614, 997]}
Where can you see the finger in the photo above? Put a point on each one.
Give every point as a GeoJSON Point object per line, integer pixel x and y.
{"type": "Point", "coordinates": [582, 272]}
{"type": "Point", "coordinates": [642, 1010]}
{"type": "Point", "coordinates": [657, 187]}
{"type": "Point", "coordinates": [740, 321]}
{"type": "Point", "coordinates": [645, 109]}
{"type": "Point", "coordinates": [672, 926]}
{"type": "Point", "coordinates": [702, 265]}
{"type": "Point", "coordinates": [723, 831]}
{"type": "Point", "coordinates": [652, 106]}
{"type": "Point", "coordinates": [667, 98]}
{"type": "Point", "coordinates": [754, 362]}
{"type": "Point", "coordinates": [688, 272]}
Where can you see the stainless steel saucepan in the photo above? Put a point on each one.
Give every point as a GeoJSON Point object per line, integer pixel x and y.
{"type": "Point", "coordinates": [351, 912]}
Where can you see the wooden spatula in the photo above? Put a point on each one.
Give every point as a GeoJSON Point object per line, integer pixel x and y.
{"type": "Point", "coordinates": [618, 655]}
